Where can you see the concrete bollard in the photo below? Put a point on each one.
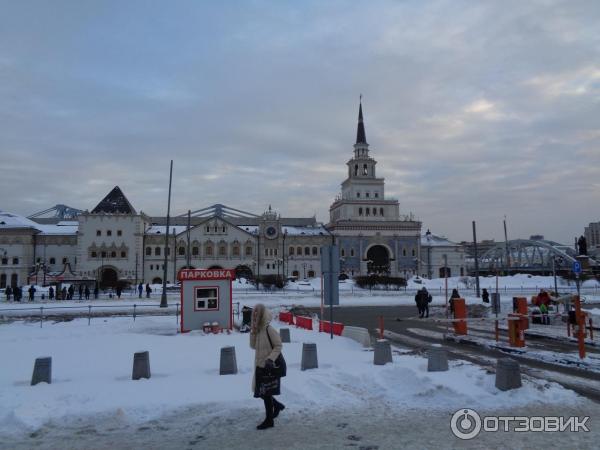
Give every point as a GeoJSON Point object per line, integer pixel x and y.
{"type": "Point", "coordinates": [42, 371]}
{"type": "Point", "coordinates": [141, 365]}
{"type": "Point", "coordinates": [309, 356]}
{"type": "Point", "coordinates": [284, 334]}
{"type": "Point", "coordinates": [228, 364]}
{"type": "Point", "coordinates": [437, 360]}
{"type": "Point", "coordinates": [383, 352]}
{"type": "Point", "coordinates": [508, 374]}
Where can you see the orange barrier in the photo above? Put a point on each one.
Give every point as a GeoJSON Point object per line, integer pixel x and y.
{"type": "Point", "coordinates": [460, 312]}
{"type": "Point", "coordinates": [286, 317]}
{"type": "Point", "coordinates": [304, 322]}
{"type": "Point", "coordinates": [521, 303]}
{"type": "Point", "coordinates": [325, 326]}
{"type": "Point", "coordinates": [516, 331]}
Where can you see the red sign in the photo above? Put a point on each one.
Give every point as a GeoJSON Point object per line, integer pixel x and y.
{"type": "Point", "coordinates": [205, 274]}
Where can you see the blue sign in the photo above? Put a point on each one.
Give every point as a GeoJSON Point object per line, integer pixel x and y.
{"type": "Point", "coordinates": [577, 267]}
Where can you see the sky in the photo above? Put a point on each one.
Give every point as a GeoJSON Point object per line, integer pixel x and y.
{"type": "Point", "coordinates": [473, 110]}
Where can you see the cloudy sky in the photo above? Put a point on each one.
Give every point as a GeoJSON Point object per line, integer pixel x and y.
{"type": "Point", "coordinates": [474, 110]}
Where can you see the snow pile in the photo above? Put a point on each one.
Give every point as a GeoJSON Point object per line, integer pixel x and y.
{"type": "Point", "coordinates": [92, 375]}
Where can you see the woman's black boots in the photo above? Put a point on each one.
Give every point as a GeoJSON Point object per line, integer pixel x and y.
{"type": "Point", "coordinates": [268, 422]}
{"type": "Point", "coordinates": [277, 407]}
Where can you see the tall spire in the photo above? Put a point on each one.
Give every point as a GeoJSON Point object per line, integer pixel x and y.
{"type": "Point", "coordinates": [361, 137]}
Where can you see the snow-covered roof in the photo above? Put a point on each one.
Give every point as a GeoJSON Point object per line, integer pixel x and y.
{"type": "Point", "coordinates": [13, 221]}
{"type": "Point", "coordinates": [432, 240]}
{"type": "Point", "coordinates": [162, 229]}
{"type": "Point", "coordinates": [305, 231]}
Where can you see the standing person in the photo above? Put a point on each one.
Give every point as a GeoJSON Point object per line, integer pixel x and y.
{"type": "Point", "coordinates": [427, 299]}
{"type": "Point", "coordinates": [96, 292]}
{"type": "Point", "coordinates": [51, 293]}
{"type": "Point", "coordinates": [71, 292]}
{"type": "Point", "coordinates": [87, 292]}
{"type": "Point", "coordinates": [31, 293]}
{"type": "Point", "coordinates": [454, 295]}
{"type": "Point", "coordinates": [544, 312]}
{"type": "Point", "coordinates": [148, 290]}
{"type": "Point", "coordinates": [266, 342]}
{"type": "Point", "coordinates": [17, 293]}
{"type": "Point", "coordinates": [485, 296]}
{"type": "Point", "coordinates": [119, 290]}
{"type": "Point", "coordinates": [8, 293]}
{"type": "Point", "coordinates": [63, 293]}
{"type": "Point", "coordinates": [419, 303]}
{"type": "Point", "coordinates": [80, 292]}
{"type": "Point", "coordinates": [140, 289]}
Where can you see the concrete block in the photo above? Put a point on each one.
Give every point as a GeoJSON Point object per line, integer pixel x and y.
{"type": "Point", "coordinates": [383, 352]}
{"type": "Point", "coordinates": [141, 365]}
{"type": "Point", "coordinates": [437, 359]}
{"type": "Point", "coordinates": [358, 334]}
{"type": "Point", "coordinates": [284, 334]}
{"type": "Point", "coordinates": [508, 374]}
{"type": "Point", "coordinates": [309, 356]}
{"type": "Point", "coordinates": [228, 364]}
{"type": "Point", "coordinates": [42, 371]}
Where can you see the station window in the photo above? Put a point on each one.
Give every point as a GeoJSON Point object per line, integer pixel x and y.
{"type": "Point", "coordinates": [248, 251]}
{"type": "Point", "coordinates": [65, 260]}
{"type": "Point", "coordinates": [206, 299]}
{"type": "Point", "coordinates": [119, 232]}
{"type": "Point", "coordinates": [291, 251]}
{"type": "Point", "coordinates": [306, 251]}
{"type": "Point", "coordinates": [195, 251]}
{"type": "Point", "coordinates": [157, 251]}
{"type": "Point", "coordinates": [112, 255]}
{"type": "Point", "coordinates": [52, 260]}
{"type": "Point", "coordinates": [148, 251]}
{"type": "Point", "coordinates": [360, 211]}
{"type": "Point", "coordinates": [108, 232]}
{"type": "Point", "coordinates": [15, 260]}
{"type": "Point", "coordinates": [94, 254]}
{"type": "Point", "coordinates": [98, 233]}
{"type": "Point", "coordinates": [315, 251]}
{"type": "Point", "coordinates": [123, 254]}
{"type": "Point", "coordinates": [351, 252]}
{"type": "Point", "coordinates": [4, 261]}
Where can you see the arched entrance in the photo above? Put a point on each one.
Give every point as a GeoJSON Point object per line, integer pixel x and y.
{"type": "Point", "coordinates": [378, 260]}
{"type": "Point", "coordinates": [444, 271]}
{"type": "Point", "coordinates": [156, 280]}
{"type": "Point", "coordinates": [108, 278]}
{"type": "Point", "coordinates": [243, 271]}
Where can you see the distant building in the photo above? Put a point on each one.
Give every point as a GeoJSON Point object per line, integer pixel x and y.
{"type": "Point", "coordinates": [592, 236]}
{"type": "Point", "coordinates": [441, 256]}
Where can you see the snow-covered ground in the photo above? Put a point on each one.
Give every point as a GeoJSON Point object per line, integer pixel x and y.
{"type": "Point", "coordinates": [92, 375]}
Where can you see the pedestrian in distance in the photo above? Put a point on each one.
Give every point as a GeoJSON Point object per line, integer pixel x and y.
{"type": "Point", "coordinates": [71, 292]}
{"type": "Point", "coordinates": [63, 293]}
{"type": "Point", "coordinates": [148, 290]}
{"type": "Point", "coordinates": [427, 299]}
{"type": "Point", "coordinates": [485, 296]}
{"type": "Point", "coordinates": [17, 293]}
{"type": "Point", "coordinates": [80, 292]}
{"type": "Point", "coordinates": [119, 290]}
{"type": "Point", "coordinates": [8, 293]}
{"type": "Point", "coordinates": [266, 343]}
{"type": "Point", "coordinates": [87, 292]}
{"type": "Point", "coordinates": [96, 292]}
{"type": "Point", "coordinates": [544, 312]}
{"type": "Point", "coordinates": [51, 293]}
{"type": "Point", "coordinates": [32, 291]}
{"type": "Point", "coordinates": [419, 303]}
{"type": "Point", "coordinates": [454, 295]}
{"type": "Point", "coordinates": [140, 290]}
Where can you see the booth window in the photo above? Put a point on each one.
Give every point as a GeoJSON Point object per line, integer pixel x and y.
{"type": "Point", "coordinates": [206, 299]}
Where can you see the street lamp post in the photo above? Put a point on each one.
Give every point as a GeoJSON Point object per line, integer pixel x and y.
{"type": "Point", "coordinates": [163, 297]}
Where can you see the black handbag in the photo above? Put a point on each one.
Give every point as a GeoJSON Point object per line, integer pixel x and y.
{"type": "Point", "coordinates": [279, 365]}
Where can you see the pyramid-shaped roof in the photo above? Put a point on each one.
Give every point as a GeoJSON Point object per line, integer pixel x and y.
{"type": "Point", "coordinates": [114, 203]}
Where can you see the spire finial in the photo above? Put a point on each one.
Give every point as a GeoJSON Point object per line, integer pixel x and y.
{"type": "Point", "coordinates": [361, 137]}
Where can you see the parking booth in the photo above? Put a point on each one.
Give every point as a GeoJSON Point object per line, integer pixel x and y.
{"type": "Point", "coordinates": [206, 302]}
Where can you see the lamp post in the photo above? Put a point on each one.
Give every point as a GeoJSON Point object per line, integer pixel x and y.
{"type": "Point", "coordinates": [163, 297]}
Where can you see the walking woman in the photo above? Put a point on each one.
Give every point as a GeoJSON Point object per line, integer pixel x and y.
{"type": "Point", "coordinates": [265, 340]}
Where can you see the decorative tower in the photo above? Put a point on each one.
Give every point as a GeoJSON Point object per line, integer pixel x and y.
{"type": "Point", "coordinates": [363, 194]}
